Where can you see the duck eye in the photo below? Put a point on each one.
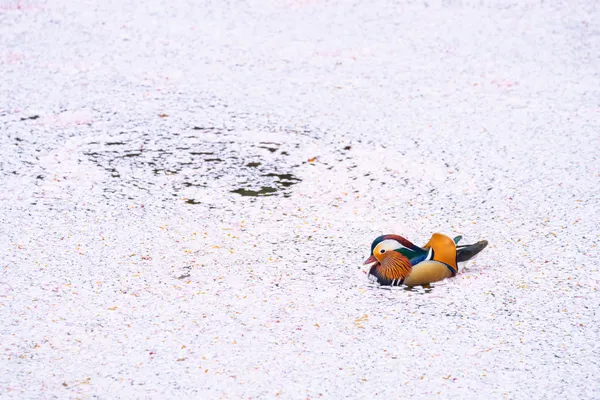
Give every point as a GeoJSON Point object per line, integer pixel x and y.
{"type": "Point", "coordinates": [382, 251]}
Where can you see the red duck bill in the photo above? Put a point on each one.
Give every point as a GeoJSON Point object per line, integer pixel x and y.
{"type": "Point", "coordinates": [370, 260]}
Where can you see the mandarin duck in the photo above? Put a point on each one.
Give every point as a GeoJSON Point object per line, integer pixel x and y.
{"type": "Point", "coordinates": [396, 261]}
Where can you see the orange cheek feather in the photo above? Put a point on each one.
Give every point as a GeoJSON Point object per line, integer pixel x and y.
{"type": "Point", "coordinates": [395, 266]}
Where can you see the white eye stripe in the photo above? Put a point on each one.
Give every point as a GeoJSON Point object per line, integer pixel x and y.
{"type": "Point", "coordinates": [388, 245]}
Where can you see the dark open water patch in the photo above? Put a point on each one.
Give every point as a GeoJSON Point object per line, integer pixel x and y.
{"type": "Point", "coordinates": [183, 164]}
{"type": "Point", "coordinates": [264, 191]}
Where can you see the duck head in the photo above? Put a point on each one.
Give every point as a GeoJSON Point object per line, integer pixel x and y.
{"type": "Point", "coordinates": [382, 247]}
{"type": "Point", "coordinates": [392, 257]}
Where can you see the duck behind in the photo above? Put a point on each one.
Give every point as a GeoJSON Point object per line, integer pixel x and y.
{"type": "Point", "coordinates": [397, 261]}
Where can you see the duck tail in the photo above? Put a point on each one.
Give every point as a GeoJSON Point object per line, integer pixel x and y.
{"type": "Point", "coordinates": [468, 251]}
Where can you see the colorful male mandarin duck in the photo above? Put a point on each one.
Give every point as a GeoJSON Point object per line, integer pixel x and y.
{"type": "Point", "coordinates": [398, 261]}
